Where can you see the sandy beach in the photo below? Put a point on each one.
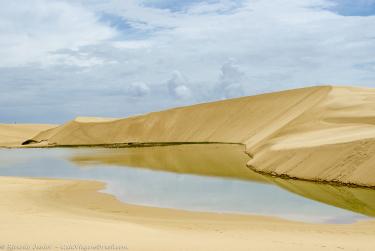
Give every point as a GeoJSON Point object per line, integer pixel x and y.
{"type": "Point", "coordinates": [62, 212]}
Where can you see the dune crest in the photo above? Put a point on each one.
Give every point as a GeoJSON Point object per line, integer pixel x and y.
{"type": "Point", "coordinates": [319, 133]}
{"type": "Point", "coordinates": [93, 119]}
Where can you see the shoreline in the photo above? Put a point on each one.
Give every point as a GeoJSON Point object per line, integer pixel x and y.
{"type": "Point", "coordinates": [161, 144]}
{"type": "Point", "coordinates": [317, 181]}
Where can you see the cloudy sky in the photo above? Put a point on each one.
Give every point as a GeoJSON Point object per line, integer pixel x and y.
{"type": "Point", "coordinates": [62, 59]}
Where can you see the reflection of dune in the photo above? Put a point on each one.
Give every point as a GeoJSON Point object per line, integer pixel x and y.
{"type": "Point", "coordinates": [320, 133]}
{"type": "Point", "coordinates": [360, 200]}
{"type": "Point", "coordinates": [220, 160]}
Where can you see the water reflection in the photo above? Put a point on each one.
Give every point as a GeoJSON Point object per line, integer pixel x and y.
{"type": "Point", "coordinates": [218, 160]}
{"type": "Point", "coordinates": [228, 161]}
{"type": "Point", "coordinates": [360, 200]}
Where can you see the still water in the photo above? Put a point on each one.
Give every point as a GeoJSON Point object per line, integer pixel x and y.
{"type": "Point", "coordinates": [211, 178]}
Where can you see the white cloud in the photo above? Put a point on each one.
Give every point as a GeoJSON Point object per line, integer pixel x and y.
{"type": "Point", "coordinates": [32, 30]}
{"type": "Point", "coordinates": [137, 44]}
{"type": "Point", "coordinates": [231, 81]}
{"type": "Point", "coordinates": [182, 91]}
{"type": "Point", "coordinates": [177, 86]}
{"type": "Point", "coordinates": [138, 89]}
{"type": "Point", "coordinates": [215, 7]}
{"type": "Point", "coordinates": [283, 42]}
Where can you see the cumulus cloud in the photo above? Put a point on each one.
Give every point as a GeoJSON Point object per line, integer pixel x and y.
{"type": "Point", "coordinates": [231, 81]}
{"type": "Point", "coordinates": [281, 41]}
{"type": "Point", "coordinates": [177, 86]}
{"type": "Point", "coordinates": [138, 89]}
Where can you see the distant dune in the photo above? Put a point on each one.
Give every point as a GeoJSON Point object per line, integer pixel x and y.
{"type": "Point", "coordinates": [319, 133]}
{"type": "Point", "coordinates": [14, 134]}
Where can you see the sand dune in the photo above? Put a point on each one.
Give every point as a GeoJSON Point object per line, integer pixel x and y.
{"type": "Point", "coordinates": [58, 213]}
{"type": "Point", "coordinates": [319, 133]}
{"type": "Point", "coordinates": [333, 141]}
{"type": "Point", "coordinates": [248, 119]}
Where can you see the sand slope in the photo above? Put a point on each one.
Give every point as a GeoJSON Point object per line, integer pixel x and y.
{"type": "Point", "coordinates": [333, 141]}
{"type": "Point", "coordinates": [319, 133]}
{"type": "Point", "coordinates": [62, 212]}
{"type": "Point", "coordinates": [15, 134]}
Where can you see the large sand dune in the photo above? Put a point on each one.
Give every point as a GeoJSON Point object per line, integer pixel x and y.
{"type": "Point", "coordinates": [249, 120]}
{"type": "Point", "coordinates": [319, 133]}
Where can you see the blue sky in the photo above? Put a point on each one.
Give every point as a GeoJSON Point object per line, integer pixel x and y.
{"type": "Point", "coordinates": [355, 7]}
{"type": "Point", "coordinates": [172, 5]}
{"type": "Point", "coordinates": [61, 59]}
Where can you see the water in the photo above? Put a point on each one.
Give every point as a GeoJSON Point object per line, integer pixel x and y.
{"type": "Point", "coordinates": [211, 178]}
